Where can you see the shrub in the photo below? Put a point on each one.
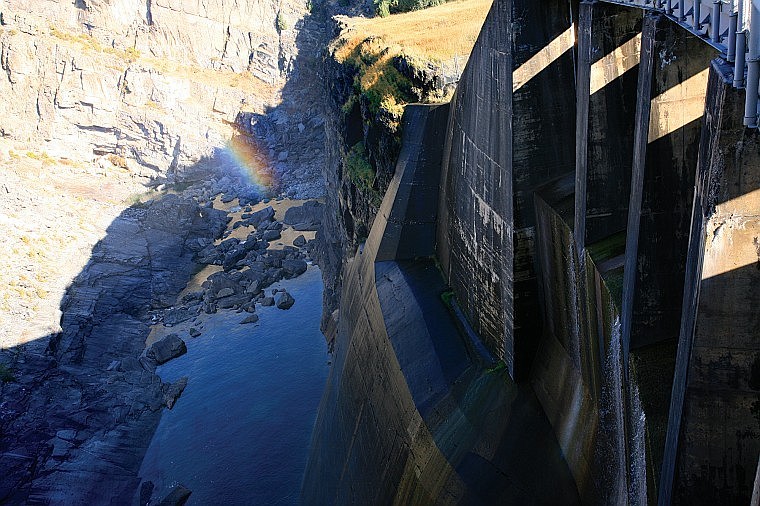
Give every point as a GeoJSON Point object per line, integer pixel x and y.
{"type": "Point", "coordinates": [377, 81]}
{"type": "Point", "coordinates": [358, 167]}
{"type": "Point", "coordinates": [117, 161]}
{"type": "Point", "coordinates": [282, 25]}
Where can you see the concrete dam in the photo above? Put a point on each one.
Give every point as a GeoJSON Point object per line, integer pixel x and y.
{"type": "Point", "coordinates": [557, 301]}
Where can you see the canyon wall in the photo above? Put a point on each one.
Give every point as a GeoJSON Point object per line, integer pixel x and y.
{"type": "Point", "coordinates": [155, 83]}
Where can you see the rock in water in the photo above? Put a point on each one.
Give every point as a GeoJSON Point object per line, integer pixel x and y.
{"type": "Point", "coordinates": [194, 332]}
{"type": "Point", "coordinates": [166, 349]}
{"type": "Point", "coordinates": [283, 300]}
{"type": "Point", "coordinates": [146, 491]}
{"type": "Point", "coordinates": [177, 497]}
{"type": "Point", "coordinates": [253, 318]}
{"type": "Point", "coordinates": [173, 391]}
{"type": "Point", "coordinates": [267, 301]}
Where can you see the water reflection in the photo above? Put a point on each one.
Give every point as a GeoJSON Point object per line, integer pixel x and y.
{"type": "Point", "coordinates": [240, 432]}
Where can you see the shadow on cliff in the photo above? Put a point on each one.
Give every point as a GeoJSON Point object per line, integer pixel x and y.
{"type": "Point", "coordinates": [79, 411]}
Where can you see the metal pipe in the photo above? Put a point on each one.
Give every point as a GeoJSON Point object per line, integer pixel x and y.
{"type": "Point", "coordinates": [669, 8]}
{"type": "Point", "coordinates": [681, 10]}
{"type": "Point", "coordinates": [732, 20]}
{"type": "Point", "coordinates": [750, 104]}
{"type": "Point", "coordinates": [741, 41]}
{"type": "Point", "coordinates": [695, 15]}
{"type": "Point", "coordinates": [753, 69]}
{"type": "Point", "coordinates": [715, 19]}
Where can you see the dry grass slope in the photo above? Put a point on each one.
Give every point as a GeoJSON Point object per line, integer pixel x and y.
{"type": "Point", "coordinates": [439, 33]}
{"type": "Point", "coordinates": [443, 35]}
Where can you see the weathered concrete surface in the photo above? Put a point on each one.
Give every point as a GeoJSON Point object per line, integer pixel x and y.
{"type": "Point", "coordinates": [669, 134]}
{"type": "Point", "coordinates": [713, 440]}
{"type": "Point", "coordinates": [411, 413]}
{"type": "Point", "coordinates": [578, 373]}
{"type": "Point", "coordinates": [608, 55]}
{"type": "Point", "coordinates": [500, 146]}
{"type": "Point", "coordinates": [669, 108]}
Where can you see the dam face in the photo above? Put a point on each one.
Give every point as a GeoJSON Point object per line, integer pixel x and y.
{"type": "Point", "coordinates": [557, 304]}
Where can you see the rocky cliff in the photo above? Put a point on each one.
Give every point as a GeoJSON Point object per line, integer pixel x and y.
{"type": "Point", "coordinates": [122, 123]}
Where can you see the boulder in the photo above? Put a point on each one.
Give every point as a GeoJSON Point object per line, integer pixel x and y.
{"type": "Point", "coordinates": [283, 300]}
{"type": "Point", "coordinates": [146, 491]}
{"type": "Point", "coordinates": [177, 497]}
{"type": "Point", "coordinates": [252, 318]}
{"type": "Point", "coordinates": [299, 241]}
{"type": "Point", "coordinates": [267, 301]}
{"type": "Point", "coordinates": [261, 215]}
{"type": "Point", "coordinates": [173, 391]}
{"type": "Point", "coordinates": [233, 256]}
{"type": "Point", "coordinates": [180, 314]}
{"type": "Point", "coordinates": [194, 332]}
{"type": "Point", "coordinates": [233, 300]}
{"type": "Point", "coordinates": [225, 292]}
{"type": "Point", "coordinates": [294, 268]}
{"type": "Point", "coordinates": [166, 349]}
{"type": "Point", "coordinates": [305, 217]}
{"type": "Point", "coordinates": [271, 235]}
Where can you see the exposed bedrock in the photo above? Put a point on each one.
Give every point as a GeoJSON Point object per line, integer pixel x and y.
{"type": "Point", "coordinates": [77, 420]}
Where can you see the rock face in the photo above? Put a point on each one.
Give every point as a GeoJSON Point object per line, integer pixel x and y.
{"type": "Point", "coordinates": [144, 85]}
{"type": "Point", "coordinates": [136, 95]}
{"type": "Point", "coordinates": [80, 414]}
{"type": "Point", "coordinates": [166, 349]}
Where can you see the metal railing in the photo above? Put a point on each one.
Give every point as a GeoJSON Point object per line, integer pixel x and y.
{"type": "Point", "coordinates": [730, 26]}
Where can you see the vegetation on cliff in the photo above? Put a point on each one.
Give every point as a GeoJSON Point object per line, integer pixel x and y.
{"type": "Point", "coordinates": [376, 67]}
{"type": "Point", "coordinates": [392, 57]}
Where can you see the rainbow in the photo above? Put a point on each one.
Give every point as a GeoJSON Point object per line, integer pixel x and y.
{"type": "Point", "coordinates": [252, 163]}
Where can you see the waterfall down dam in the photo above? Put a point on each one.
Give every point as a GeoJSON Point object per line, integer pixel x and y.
{"type": "Point", "coordinates": [558, 300]}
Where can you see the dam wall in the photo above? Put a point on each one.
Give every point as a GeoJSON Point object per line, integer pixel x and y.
{"type": "Point", "coordinates": [414, 412]}
{"type": "Point", "coordinates": [583, 248]}
{"type": "Point", "coordinates": [509, 132]}
{"type": "Point", "coordinates": [578, 371]}
{"type": "Point", "coordinates": [712, 439]}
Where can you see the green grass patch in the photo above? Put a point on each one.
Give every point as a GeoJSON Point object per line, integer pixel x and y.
{"type": "Point", "coordinates": [385, 8]}
{"type": "Point", "coordinates": [447, 297]}
{"type": "Point", "coordinates": [377, 82]}
{"type": "Point", "coordinates": [358, 167]}
{"type": "Point", "coordinates": [498, 368]}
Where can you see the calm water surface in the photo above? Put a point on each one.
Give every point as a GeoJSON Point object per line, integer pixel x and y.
{"type": "Point", "coordinates": [240, 432]}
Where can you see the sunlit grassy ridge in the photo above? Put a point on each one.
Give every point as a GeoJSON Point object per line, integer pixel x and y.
{"type": "Point", "coordinates": [370, 45]}
{"type": "Point", "coordinates": [438, 33]}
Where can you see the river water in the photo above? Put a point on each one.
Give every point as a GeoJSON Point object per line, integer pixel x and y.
{"type": "Point", "coordinates": [240, 432]}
